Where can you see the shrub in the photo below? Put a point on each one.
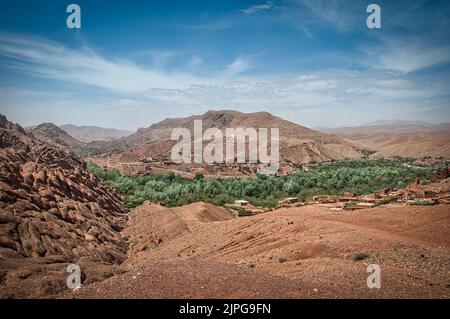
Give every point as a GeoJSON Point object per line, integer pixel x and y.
{"type": "Point", "coordinates": [199, 176]}
{"type": "Point", "coordinates": [360, 256]}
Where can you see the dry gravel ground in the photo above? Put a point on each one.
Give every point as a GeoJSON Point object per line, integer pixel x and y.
{"type": "Point", "coordinates": [201, 251]}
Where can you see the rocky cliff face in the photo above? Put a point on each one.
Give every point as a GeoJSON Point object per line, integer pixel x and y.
{"type": "Point", "coordinates": [52, 213]}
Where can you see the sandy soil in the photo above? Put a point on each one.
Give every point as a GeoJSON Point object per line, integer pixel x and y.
{"type": "Point", "coordinates": [412, 144]}
{"type": "Point", "coordinates": [201, 251]}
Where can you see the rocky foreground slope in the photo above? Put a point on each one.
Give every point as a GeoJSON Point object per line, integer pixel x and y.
{"type": "Point", "coordinates": [200, 251]}
{"type": "Point", "coordinates": [52, 213]}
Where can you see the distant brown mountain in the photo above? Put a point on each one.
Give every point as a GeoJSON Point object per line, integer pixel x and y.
{"type": "Point", "coordinates": [50, 133]}
{"type": "Point", "coordinates": [405, 139]}
{"type": "Point", "coordinates": [298, 144]}
{"type": "Point", "coordinates": [396, 126]}
{"type": "Point", "coordinates": [94, 133]}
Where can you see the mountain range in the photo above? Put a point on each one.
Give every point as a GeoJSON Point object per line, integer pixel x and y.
{"type": "Point", "coordinates": [92, 133]}
{"type": "Point", "coordinates": [298, 144]}
{"type": "Point", "coordinates": [400, 138]}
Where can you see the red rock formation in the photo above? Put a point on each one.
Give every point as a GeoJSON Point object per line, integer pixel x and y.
{"type": "Point", "coordinates": [52, 213]}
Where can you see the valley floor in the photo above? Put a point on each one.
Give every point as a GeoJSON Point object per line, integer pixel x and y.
{"type": "Point", "coordinates": [201, 251]}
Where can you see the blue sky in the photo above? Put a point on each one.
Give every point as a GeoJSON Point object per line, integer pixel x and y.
{"type": "Point", "coordinates": [134, 63]}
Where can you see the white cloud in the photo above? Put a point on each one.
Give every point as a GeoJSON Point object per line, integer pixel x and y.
{"type": "Point", "coordinates": [128, 102]}
{"type": "Point", "coordinates": [293, 95]}
{"type": "Point", "coordinates": [307, 77]}
{"type": "Point", "coordinates": [319, 85]}
{"type": "Point", "coordinates": [195, 61]}
{"type": "Point", "coordinates": [238, 66]}
{"type": "Point", "coordinates": [404, 54]}
{"type": "Point", "coordinates": [339, 13]}
{"type": "Point", "coordinates": [259, 8]}
{"type": "Point", "coordinates": [160, 58]}
{"type": "Point", "coordinates": [410, 58]}
{"type": "Point", "coordinates": [43, 58]}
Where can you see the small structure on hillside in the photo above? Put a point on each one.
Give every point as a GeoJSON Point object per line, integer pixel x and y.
{"type": "Point", "coordinates": [240, 202]}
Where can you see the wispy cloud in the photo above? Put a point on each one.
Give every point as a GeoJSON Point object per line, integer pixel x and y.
{"type": "Point", "coordinates": [408, 57]}
{"type": "Point", "coordinates": [317, 85]}
{"type": "Point", "coordinates": [403, 54]}
{"type": "Point", "coordinates": [195, 61]}
{"type": "Point", "coordinates": [338, 13]}
{"type": "Point", "coordinates": [134, 86]}
{"type": "Point", "coordinates": [214, 25]}
{"type": "Point", "coordinates": [238, 66]}
{"type": "Point", "coordinates": [43, 58]}
{"type": "Point", "coordinates": [308, 32]}
{"type": "Point", "coordinates": [259, 8]}
{"type": "Point", "coordinates": [156, 58]}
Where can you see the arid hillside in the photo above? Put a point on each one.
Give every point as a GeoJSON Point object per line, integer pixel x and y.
{"type": "Point", "coordinates": [52, 134]}
{"type": "Point", "coordinates": [405, 140]}
{"type": "Point", "coordinates": [200, 251]}
{"type": "Point", "coordinates": [52, 213]}
{"type": "Point", "coordinates": [298, 144]}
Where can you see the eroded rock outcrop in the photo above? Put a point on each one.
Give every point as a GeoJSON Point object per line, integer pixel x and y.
{"type": "Point", "coordinates": [52, 213]}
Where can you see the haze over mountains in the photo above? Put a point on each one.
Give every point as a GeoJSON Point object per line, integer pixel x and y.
{"type": "Point", "coordinates": [94, 133]}
{"type": "Point", "coordinates": [390, 126]}
{"type": "Point", "coordinates": [84, 133]}
{"type": "Point", "coordinates": [400, 138]}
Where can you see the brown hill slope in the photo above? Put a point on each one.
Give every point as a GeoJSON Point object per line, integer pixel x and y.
{"type": "Point", "coordinates": [52, 213]}
{"type": "Point", "coordinates": [50, 133]}
{"type": "Point", "coordinates": [93, 133]}
{"type": "Point", "coordinates": [400, 140]}
{"type": "Point", "coordinates": [415, 145]}
{"type": "Point", "coordinates": [308, 251]}
{"type": "Point", "coordinates": [298, 144]}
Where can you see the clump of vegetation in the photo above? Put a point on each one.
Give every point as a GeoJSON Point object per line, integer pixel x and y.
{"type": "Point", "coordinates": [422, 203]}
{"type": "Point", "coordinates": [282, 260]}
{"type": "Point", "coordinates": [359, 177]}
{"type": "Point", "coordinates": [360, 256]}
{"type": "Point", "coordinates": [242, 212]}
{"type": "Point", "coordinates": [87, 152]}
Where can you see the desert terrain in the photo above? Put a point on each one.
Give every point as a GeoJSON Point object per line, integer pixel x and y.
{"type": "Point", "coordinates": [55, 211]}
{"type": "Point", "coordinates": [149, 148]}
{"type": "Point", "coordinates": [400, 138]}
{"type": "Point", "coordinates": [198, 251]}
{"type": "Point", "coordinates": [239, 150]}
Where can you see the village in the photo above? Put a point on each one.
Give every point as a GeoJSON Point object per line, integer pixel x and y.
{"type": "Point", "coordinates": [416, 194]}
